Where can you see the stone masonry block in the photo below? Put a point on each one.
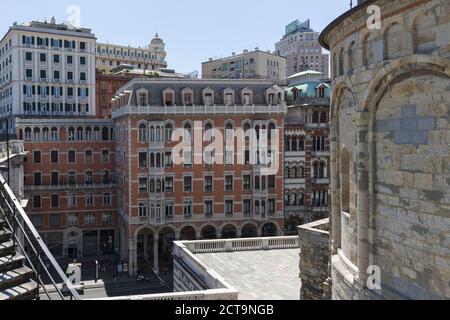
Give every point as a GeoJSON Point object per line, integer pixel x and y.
{"type": "Point", "coordinates": [427, 123]}
{"type": "Point", "coordinates": [409, 111]}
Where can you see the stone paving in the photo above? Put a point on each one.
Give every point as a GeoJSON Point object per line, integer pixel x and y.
{"type": "Point", "coordinates": [258, 275]}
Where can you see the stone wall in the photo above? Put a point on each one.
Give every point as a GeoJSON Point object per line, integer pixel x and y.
{"type": "Point", "coordinates": [391, 124]}
{"type": "Point", "coordinates": [314, 240]}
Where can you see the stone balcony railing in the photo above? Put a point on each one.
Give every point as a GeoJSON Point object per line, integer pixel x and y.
{"type": "Point", "coordinates": [199, 110]}
{"type": "Point", "coordinates": [59, 187]}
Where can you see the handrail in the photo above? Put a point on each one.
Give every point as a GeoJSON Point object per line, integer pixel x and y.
{"type": "Point", "coordinates": [13, 218]}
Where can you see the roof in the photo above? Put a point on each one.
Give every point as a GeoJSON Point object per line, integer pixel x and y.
{"type": "Point", "coordinates": [308, 89]}
{"type": "Point", "coordinates": [304, 73]}
{"type": "Point", "coordinates": [323, 36]}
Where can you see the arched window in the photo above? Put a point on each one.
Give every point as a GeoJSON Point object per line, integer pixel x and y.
{"type": "Point", "coordinates": [345, 181]}
{"type": "Point", "coordinates": [208, 132]}
{"type": "Point", "coordinates": [271, 131]}
{"type": "Point", "coordinates": [80, 134]}
{"type": "Point", "coordinates": [105, 134]}
{"type": "Point", "coordinates": [142, 133]}
{"type": "Point", "coordinates": [45, 134]}
{"type": "Point", "coordinates": [169, 131]}
{"type": "Point", "coordinates": [341, 62]}
{"type": "Point", "coordinates": [55, 134]}
{"type": "Point", "coordinates": [28, 135]}
{"type": "Point", "coordinates": [37, 134]}
{"type": "Point", "coordinates": [88, 133]}
{"type": "Point", "coordinates": [71, 134]}
{"type": "Point", "coordinates": [351, 56]}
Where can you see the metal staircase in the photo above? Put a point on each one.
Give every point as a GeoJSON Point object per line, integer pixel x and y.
{"type": "Point", "coordinates": [27, 268]}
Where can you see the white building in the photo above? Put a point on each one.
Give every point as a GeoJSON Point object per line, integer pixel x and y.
{"type": "Point", "coordinates": [46, 69]}
{"type": "Point", "coordinates": [151, 57]}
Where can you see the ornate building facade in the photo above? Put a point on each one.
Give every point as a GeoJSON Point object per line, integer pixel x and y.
{"type": "Point", "coordinates": [159, 201]}
{"type": "Point", "coordinates": [390, 151]}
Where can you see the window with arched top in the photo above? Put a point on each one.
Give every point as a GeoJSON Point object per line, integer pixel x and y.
{"type": "Point", "coordinates": [352, 55]}
{"type": "Point", "coordinates": [71, 134]}
{"type": "Point", "coordinates": [208, 97]}
{"type": "Point", "coordinates": [80, 132]}
{"type": "Point", "coordinates": [208, 132]}
{"type": "Point", "coordinates": [142, 133]}
{"type": "Point", "coordinates": [169, 97]}
{"type": "Point", "coordinates": [247, 97]}
{"type": "Point", "coordinates": [345, 180]}
{"type": "Point", "coordinates": [187, 97]}
{"type": "Point", "coordinates": [28, 134]}
{"type": "Point", "coordinates": [228, 97]}
{"type": "Point", "coordinates": [341, 62]}
{"type": "Point", "coordinates": [169, 132]}
{"type": "Point", "coordinates": [142, 97]}
{"type": "Point", "coordinates": [45, 134]}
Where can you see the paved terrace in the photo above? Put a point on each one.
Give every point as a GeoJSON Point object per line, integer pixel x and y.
{"type": "Point", "coordinates": [258, 275]}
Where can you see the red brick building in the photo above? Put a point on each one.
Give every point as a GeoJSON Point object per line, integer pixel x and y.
{"type": "Point", "coordinates": [159, 202]}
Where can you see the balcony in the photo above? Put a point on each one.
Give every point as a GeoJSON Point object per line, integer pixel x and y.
{"type": "Point", "coordinates": [321, 181]}
{"type": "Point", "coordinates": [323, 153]}
{"type": "Point", "coordinates": [63, 187]}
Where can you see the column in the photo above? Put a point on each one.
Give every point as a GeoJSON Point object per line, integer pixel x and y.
{"type": "Point", "coordinates": [132, 262]}
{"type": "Point", "coordinates": [335, 193]}
{"type": "Point", "coordinates": [146, 245]}
{"type": "Point", "coordinates": [155, 251]}
{"type": "Point", "coordinates": [363, 196]}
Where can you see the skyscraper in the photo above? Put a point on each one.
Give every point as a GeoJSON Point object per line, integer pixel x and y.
{"type": "Point", "coordinates": [301, 47]}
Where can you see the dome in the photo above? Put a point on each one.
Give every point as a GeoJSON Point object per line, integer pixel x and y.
{"type": "Point", "coordinates": [157, 41]}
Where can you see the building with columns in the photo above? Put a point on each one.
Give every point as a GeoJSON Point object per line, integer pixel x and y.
{"type": "Point", "coordinates": [46, 69]}
{"type": "Point", "coordinates": [390, 151]}
{"type": "Point", "coordinates": [159, 201]}
{"type": "Point", "coordinates": [307, 150]}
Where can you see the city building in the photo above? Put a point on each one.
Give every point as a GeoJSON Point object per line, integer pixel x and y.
{"type": "Point", "coordinates": [70, 181]}
{"type": "Point", "coordinates": [159, 201]}
{"type": "Point", "coordinates": [247, 65]}
{"type": "Point", "coordinates": [302, 49]}
{"type": "Point", "coordinates": [307, 150]}
{"type": "Point", "coordinates": [390, 151]}
{"type": "Point", "coordinates": [151, 57]}
{"type": "Point", "coordinates": [46, 69]}
{"type": "Point", "coordinates": [107, 86]}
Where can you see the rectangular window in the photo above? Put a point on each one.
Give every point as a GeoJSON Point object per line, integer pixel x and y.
{"type": "Point", "coordinates": [88, 156]}
{"type": "Point", "coordinates": [83, 76]}
{"type": "Point", "coordinates": [90, 200]}
{"type": "Point", "coordinates": [187, 208]}
{"type": "Point", "coordinates": [142, 210]}
{"type": "Point", "coordinates": [55, 201]}
{"type": "Point", "coordinates": [36, 201]}
{"type": "Point", "coordinates": [247, 207]}
{"type": "Point", "coordinates": [73, 219]}
{"type": "Point", "coordinates": [54, 156]}
{"type": "Point", "coordinates": [107, 199]}
{"type": "Point", "coordinates": [89, 219]}
{"type": "Point", "coordinates": [105, 156]}
{"type": "Point", "coordinates": [29, 56]}
{"type": "Point", "coordinates": [272, 205]}
{"type": "Point", "coordinates": [208, 184]}
{"type": "Point", "coordinates": [37, 157]}
{"type": "Point", "coordinates": [29, 73]}
{"type": "Point", "coordinates": [37, 220]}
{"type": "Point", "coordinates": [55, 220]}
{"type": "Point", "coordinates": [55, 178]}
{"type": "Point", "coordinates": [143, 160]}
{"type": "Point", "coordinates": [107, 218]}
{"type": "Point", "coordinates": [143, 185]}
{"type": "Point", "coordinates": [89, 178]}
{"type": "Point", "coordinates": [56, 58]}
{"type": "Point", "coordinates": [72, 200]}
{"type": "Point", "coordinates": [169, 210]}
{"type": "Point", "coordinates": [43, 57]}
{"type": "Point", "coordinates": [229, 183]}
{"type": "Point", "coordinates": [43, 74]}
{"type": "Point", "coordinates": [69, 59]}
{"type": "Point", "coordinates": [208, 208]}
{"type": "Point", "coordinates": [82, 61]}
{"type": "Point", "coordinates": [72, 178]}
{"type": "Point", "coordinates": [188, 184]}
{"type": "Point", "coordinates": [272, 182]}
{"type": "Point", "coordinates": [247, 182]}
{"type": "Point", "coordinates": [169, 185]}
{"type": "Point", "coordinates": [37, 178]}
{"type": "Point", "coordinates": [71, 156]}
{"type": "Point", "coordinates": [229, 207]}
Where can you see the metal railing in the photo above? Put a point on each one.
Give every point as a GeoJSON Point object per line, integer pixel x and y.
{"type": "Point", "coordinates": [37, 255]}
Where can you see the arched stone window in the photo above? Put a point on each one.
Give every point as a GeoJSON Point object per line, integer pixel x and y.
{"type": "Point", "coordinates": [169, 97]}
{"type": "Point", "coordinates": [80, 134]}
{"type": "Point", "coordinates": [71, 134]}
{"type": "Point", "coordinates": [345, 181]}
{"type": "Point", "coordinates": [187, 97]}
{"type": "Point", "coordinates": [228, 97]}
{"type": "Point", "coordinates": [169, 131]}
{"type": "Point", "coordinates": [208, 97]}
{"type": "Point", "coordinates": [341, 62]}
{"type": "Point", "coordinates": [247, 97]}
{"type": "Point", "coordinates": [352, 56]}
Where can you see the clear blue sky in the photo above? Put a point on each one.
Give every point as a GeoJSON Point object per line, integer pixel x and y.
{"type": "Point", "coordinates": [193, 30]}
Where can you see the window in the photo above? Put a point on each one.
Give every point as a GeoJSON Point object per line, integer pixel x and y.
{"type": "Point", "coordinates": [72, 200]}
{"type": "Point", "coordinates": [187, 208]}
{"type": "Point", "coordinates": [229, 207]}
{"type": "Point", "coordinates": [142, 133]}
{"type": "Point", "coordinates": [143, 185]}
{"type": "Point", "coordinates": [90, 200]}
{"type": "Point", "coordinates": [37, 157]}
{"type": "Point", "coordinates": [71, 156]}
{"type": "Point", "coordinates": [37, 220]}
{"type": "Point", "coordinates": [105, 156]}
{"type": "Point", "coordinates": [43, 74]}
{"type": "Point", "coordinates": [72, 178]}
{"type": "Point", "coordinates": [55, 220]}
{"type": "Point", "coordinates": [247, 182]}
{"type": "Point", "coordinates": [88, 156]}
{"type": "Point", "coordinates": [37, 176]}
{"type": "Point", "coordinates": [168, 159]}
{"type": "Point", "coordinates": [169, 132]}
{"type": "Point", "coordinates": [29, 73]}
{"type": "Point", "coordinates": [169, 210]}
{"type": "Point", "coordinates": [29, 56]}
{"type": "Point", "coordinates": [36, 201]}
{"type": "Point", "coordinates": [107, 199]}
{"type": "Point", "coordinates": [208, 208]}
{"type": "Point", "coordinates": [272, 182]}
{"type": "Point", "coordinates": [142, 210]}
{"type": "Point", "coordinates": [229, 183]}
{"type": "Point", "coordinates": [247, 207]}
{"type": "Point", "coordinates": [55, 178]}
{"type": "Point", "coordinates": [82, 76]}
{"type": "Point", "coordinates": [69, 59]}
{"type": "Point", "coordinates": [42, 57]}
{"type": "Point", "coordinates": [56, 75]}
{"type": "Point", "coordinates": [272, 205]}
{"type": "Point", "coordinates": [82, 61]}
{"type": "Point", "coordinates": [73, 219]}
{"type": "Point", "coordinates": [56, 58]}
{"type": "Point", "coordinates": [169, 184]}
{"type": "Point", "coordinates": [143, 160]}
{"type": "Point", "coordinates": [89, 219]}
{"type": "Point", "coordinates": [54, 156]}
{"type": "Point", "coordinates": [88, 178]}
{"type": "Point", "coordinates": [55, 201]}
{"type": "Point", "coordinates": [70, 75]}
{"type": "Point", "coordinates": [208, 184]}
{"type": "Point", "coordinates": [107, 218]}
{"type": "Point", "coordinates": [188, 184]}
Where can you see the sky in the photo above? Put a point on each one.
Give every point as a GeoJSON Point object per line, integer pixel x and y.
{"type": "Point", "coordinates": [193, 30]}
